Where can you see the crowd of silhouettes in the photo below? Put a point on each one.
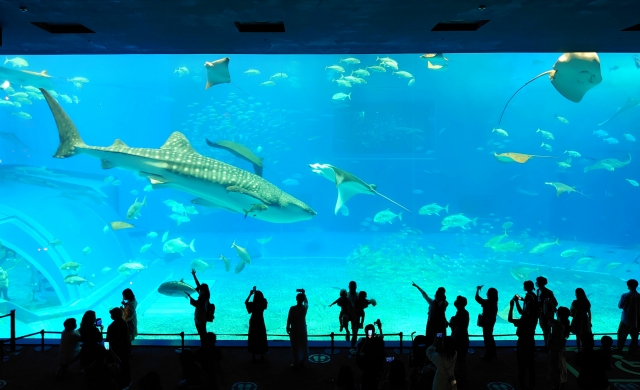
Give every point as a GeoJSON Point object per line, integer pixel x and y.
{"type": "Point", "coordinates": [105, 361]}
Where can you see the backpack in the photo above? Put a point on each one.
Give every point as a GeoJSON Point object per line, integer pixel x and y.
{"type": "Point", "coordinates": [211, 310]}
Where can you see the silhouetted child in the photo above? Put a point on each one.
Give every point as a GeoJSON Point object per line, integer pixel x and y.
{"type": "Point", "coordinates": [606, 342]}
{"type": "Point", "coordinates": [362, 303]}
{"type": "Point", "coordinates": [344, 305]}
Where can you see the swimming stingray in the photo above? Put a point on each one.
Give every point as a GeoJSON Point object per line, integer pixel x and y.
{"type": "Point", "coordinates": [217, 72]}
{"type": "Point", "coordinates": [573, 75]}
{"type": "Point", "coordinates": [347, 184]}
{"type": "Point", "coordinates": [608, 163]}
{"type": "Point", "coordinates": [10, 137]}
{"type": "Point", "coordinates": [630, 103]}
{"type": "Point", "coordinates": [516, 157]}
{"type": "Point", "coordinates": [240, 151]}
{"type": "Point", "coordinates": [561, 188]}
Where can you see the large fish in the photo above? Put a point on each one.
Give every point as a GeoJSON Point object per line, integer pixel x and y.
{"type": "Point", "coordinates": [176, 289]}
{"type": "Point", "coordinates": [177, 165]}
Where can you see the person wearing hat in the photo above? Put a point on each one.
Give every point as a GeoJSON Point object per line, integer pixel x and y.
{"type": "Point", "coordinates": [120, 344]}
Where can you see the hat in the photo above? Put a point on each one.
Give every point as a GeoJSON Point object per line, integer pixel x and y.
{"type": "Point", "coordinates": [117, 311]}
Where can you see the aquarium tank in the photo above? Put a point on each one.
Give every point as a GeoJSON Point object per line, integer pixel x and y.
{"type": "Point", "coordinates": [291, 172]}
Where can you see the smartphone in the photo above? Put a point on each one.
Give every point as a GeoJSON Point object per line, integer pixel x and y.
{"type": "Point", "coordinates": [99, 322]}
{"type": "Point", "coordinates": [439, 335]}
{"type": "Point", "coordinates": [106, 345]}
{"type": "Point", "coordinates": [390, 359]}
{"type": "Point", "coordinates": [254, 288]}
{"type": "Point", "coordinates": [369, 333]}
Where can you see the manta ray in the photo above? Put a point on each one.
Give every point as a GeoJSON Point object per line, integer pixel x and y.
{"type": "Point", "coordinates": [520, 158]}
{"type": "Point", "coordinates": [239, 151]}
{"type": "Point", "coordinates": [348, 185]}
{"type": "Point", "coordinates": [217, 72]}
{"type": "Point", "coordinates": [630, 103]}
{"type": "Point", "coordinates": [177, 165]}
{"type": "Point", "coordinates": [573, 75]}
{"type": "Point", "coordinates": [608, 163]}
{"type": "Point", "coordinates": [561, 188]}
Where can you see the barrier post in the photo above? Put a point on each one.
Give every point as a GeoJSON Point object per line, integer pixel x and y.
{"type": "Point", "coordinates": [179, 350]}
{"type": "Point", "coordinates": [401, 351]}
{"type": "Point", "coordinates": [41, 347]}
{"type": "Point", "coordinates": [12, 342]}
{"type": "Point", "coordinates": [332, 350]}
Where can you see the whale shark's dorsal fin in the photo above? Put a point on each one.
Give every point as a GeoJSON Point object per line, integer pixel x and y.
{"type": "Point", "coordinates": [179, 143]}
{"type": "Point", "coordinates": [119, 143]}
{"type": "Point", "coordinates": [182, 280]}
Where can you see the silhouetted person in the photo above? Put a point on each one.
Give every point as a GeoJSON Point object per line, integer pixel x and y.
{"type": "Point", "coordinates": [489, 316]}
{"type": "Point", "coordinates": [362, 303]}
{"type": "Point", "coordinates": [192, 371]}
{"type": "Point", "coordinates": [129, 305]}
{"type": "Point", "coordinates": [91, 337]}
{"type": "Point", "coordinates": [257, 329]}
{"type": "Point", "coordinates": [210, 358]}
{"type": "Point", "coordinates": [397, 378]}
{"type": "Point", "coordinates": [530, 299]}
{"type": "Point", "coordinates": [606, 343]}
{"type": "Point", "coordinates": [352, 294]}
{"type": "Point", "coordinates": [370, 357]}
{"type": "Point", "coordinates": [560, 331]}
{"type": "Point", "coordinates": [102, 373]}
{"type": "Point", "coordinates": [4, 284]}
{"type": "Point", "coordinates": [297, 330]}
{"type": "Point", "coordinates": [151, 381]}
{"type": "Point", "coordinates": [345, 305]}
{"type": "Point", "coordinates": [345, 380]}
{"type": "Point", "coordinates": [120, 344]}
{"type": "Point", "coordinates": [630, 321]}
{"type": "Point", "coordinates": [593, 366]}
{"type": "Point", "coordinates": [436, 318]}
{"type": "Point", "coordinates": [443, 355]}
{"type": "Point", "coordinates": [548, 304]}
{"type": "Point", "coordinates": [201, 307]}
{"type": "Point", "coordinates": [69, 347]}
{"type": "Point", "coordinates": [460, 334]}
{"type": "Point", "coordinates": [525, 346]}
{"type": "Point", "coordinates": [581, 316]}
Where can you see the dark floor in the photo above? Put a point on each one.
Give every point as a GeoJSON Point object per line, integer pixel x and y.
{"type": "Point", "coordinates": [35, 370]}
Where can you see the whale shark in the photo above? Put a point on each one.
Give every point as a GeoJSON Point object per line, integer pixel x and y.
{"type": "Point", "coordinates": [177, 165]}
{"type": "Point", "coordinates": [348, 185]}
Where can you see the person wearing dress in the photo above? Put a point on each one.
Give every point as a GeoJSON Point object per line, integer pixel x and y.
{"type": "Point", "coordinates": [257, 329]}
{"type": "Point", "coordinates": [297, 330]}
{"type": "Point", "coordinates": [580, 316]}
{"type": "Point", "coordinates": [201, 306]}
{"type": "Point", "coordinates": [436, 318]}
{"type": "Point", "coordinates": [443, 355]}
{"type": "Point", "coordinates": [129, 305]}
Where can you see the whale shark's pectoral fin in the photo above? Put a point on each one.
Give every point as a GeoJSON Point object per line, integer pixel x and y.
{"type": "Point", "coordinates": [244, 191]}
{"type": "Point", "coordinates": [106, 164]}
{"type": "Point", "coordinates": [207, 203]}
{"type": "Point", "coordinates": [156, 181]}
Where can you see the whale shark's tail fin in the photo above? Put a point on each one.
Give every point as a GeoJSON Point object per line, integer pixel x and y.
{"type": "Point", "coordinates": [69, 135]}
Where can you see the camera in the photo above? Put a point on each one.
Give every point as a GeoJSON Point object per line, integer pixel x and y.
{"type": "Point", "coordinates": [98, 321]}
{"type": "Point", "coordinates": [254, 289]}
{"type": "Point", "coordinates": [300, 290]}
{"type": "Point", "coordinates": [390, 359]}
{"type": "Point", "coordinates": [439, 335]}
{"type": "Point", "coordinates": [377, 322]}
{"type": "Point", "coordinates": [106, 345]}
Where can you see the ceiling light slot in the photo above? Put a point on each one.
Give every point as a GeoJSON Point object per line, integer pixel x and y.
{"type": "Point", "coordinates": [633, 28]}
{"type": "Point", "coordinates": [63, 28]}
{"type": "Point", "coordinates": [459, 25]}
{"type": "Point", "coordinates": [260, 27]}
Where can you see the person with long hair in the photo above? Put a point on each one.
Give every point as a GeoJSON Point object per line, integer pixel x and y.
{"type": "Point", "coordinates": [581, 316]}
{"type": "Point", "coordinates": [297, 330]}
{"type": "Point", "coordinates": [257, 329]}
{"type": "Point", "coordinates": [91, 337]}
{"type": "Point", "coordinates": [489, 317]}
{"type": "Point", "coordinates": [201, 308]}
{"type": "Point", "coordinates": [436, 317]}
{"type": "Point", "coordinates": [557, 342]}
{"type": "Point", "coordinates": [443, 355]}
{"type": "Point", "coordinates": [129, 305]}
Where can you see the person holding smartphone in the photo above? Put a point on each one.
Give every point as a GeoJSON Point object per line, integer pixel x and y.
{"type": "Point", "coordinates": [370, 357]}
{"type": "Point", "coordinates": [201, 306]}
{"type": "Point", "coordinates": [443, 355]}
{"type": "Point", "coordinates": [297, 330]}
{"type": "Point", "coordinates": [257, 340]}
{"type": "Point", "coordinates": [489, 317]}
{"type": "Point", "coordinates": [91, 337]}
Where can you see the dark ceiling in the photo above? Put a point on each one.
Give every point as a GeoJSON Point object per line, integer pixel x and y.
{"type": "Point", "coordinates": [319, 26]}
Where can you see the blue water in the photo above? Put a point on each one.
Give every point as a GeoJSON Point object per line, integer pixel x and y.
{"type": "Point", "coordinates": [431, 142]}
